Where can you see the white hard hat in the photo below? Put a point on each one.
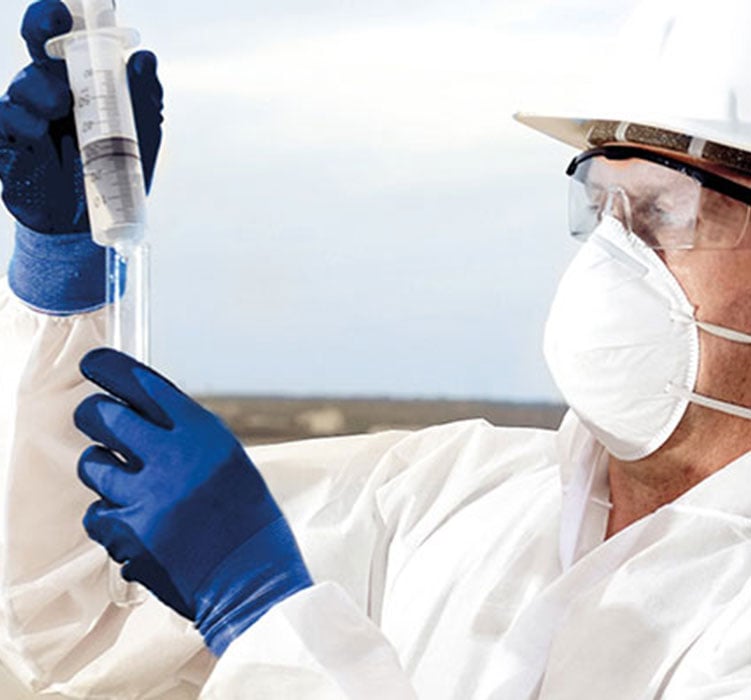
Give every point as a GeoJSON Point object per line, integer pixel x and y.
{"type": "Point", "coordinates": [680, 79]}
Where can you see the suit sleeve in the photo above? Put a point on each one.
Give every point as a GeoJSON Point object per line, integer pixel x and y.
{"type": "Point", "coordinates": [58, 629]}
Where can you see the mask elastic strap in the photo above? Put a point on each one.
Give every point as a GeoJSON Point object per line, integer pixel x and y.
{"type": "Point", "coordinates": [714, 329]}
{"type": "Point", "coordinates": [715, 404]}
{"type": "Point", "coordinates": [726, 333]}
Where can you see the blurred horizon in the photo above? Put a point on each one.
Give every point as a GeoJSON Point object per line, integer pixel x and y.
{"type": "Point", "coordinates": [262, 420]}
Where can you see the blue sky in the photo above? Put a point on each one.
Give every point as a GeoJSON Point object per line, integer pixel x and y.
{"type": "Point", "coordinates": [344, 205]}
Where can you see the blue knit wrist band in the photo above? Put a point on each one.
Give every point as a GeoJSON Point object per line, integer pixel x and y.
{"type": "Point", "coordinates": [59, 274]}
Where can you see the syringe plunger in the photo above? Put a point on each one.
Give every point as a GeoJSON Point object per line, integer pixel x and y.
{"type": "Point", "coordinates": [92, 14]}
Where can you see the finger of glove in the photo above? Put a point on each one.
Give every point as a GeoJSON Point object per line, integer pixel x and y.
{"type": "Point", "coordinates": [43, 20]}
{"type": "Point", "coordinates": [41, 93]}
{"type": "Point", "coordinates": [117, 427]}
{"type": "Point", "coordinates": [143, 81]}
{"type": "Point", "coordinates": [148, 392]}
{"type": "Point", "coordinates": [104, 523]}
{"type": "Point", "coordinates": [147, 96]}
{"type": "Point", "coordinates": [18, 124]}
{"type": "Point", "coordinates": [103, 472]}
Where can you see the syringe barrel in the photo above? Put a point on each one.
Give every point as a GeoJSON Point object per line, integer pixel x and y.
{"type": "Point", "coordinates": [94, 53]}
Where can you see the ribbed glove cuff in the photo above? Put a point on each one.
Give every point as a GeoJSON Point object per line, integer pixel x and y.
{"type": "Point", "coordinates": [58, 274]}
{"type": "Point", "coordinates": [261, 573]}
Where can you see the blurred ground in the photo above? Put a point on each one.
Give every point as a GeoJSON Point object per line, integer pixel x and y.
{"type": "Point", "coordinates": [267, 420]}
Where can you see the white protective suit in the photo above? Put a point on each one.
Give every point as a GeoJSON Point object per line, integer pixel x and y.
{"type": "Point", "coordinates": [462, 561]}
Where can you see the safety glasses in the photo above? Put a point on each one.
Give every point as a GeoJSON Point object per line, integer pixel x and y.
{"type": "Point", "coordinates": [669, 204]}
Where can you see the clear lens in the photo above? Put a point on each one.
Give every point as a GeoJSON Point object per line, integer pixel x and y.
{"type": "Point", "coordinates": [667, 209]}
{"type": "Point", "coordinates": [584, 211]}
{"type": "Point", "coordinates": [723, 222]}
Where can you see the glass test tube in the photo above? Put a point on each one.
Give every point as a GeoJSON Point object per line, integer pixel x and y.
{"type": "Point", "coordinates": [128, 330]}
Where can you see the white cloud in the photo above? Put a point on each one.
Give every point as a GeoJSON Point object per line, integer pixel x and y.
{"type": "Point", "coordinates": [438, 85]}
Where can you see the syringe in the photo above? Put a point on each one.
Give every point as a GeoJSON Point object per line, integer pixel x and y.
{"type": "Point", "coordinates": [94, 52]}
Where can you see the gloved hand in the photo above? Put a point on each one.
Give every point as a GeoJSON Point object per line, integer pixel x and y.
{"type": "Point", "coordinates": [42, 176]}
{"type": "Point", "coordinates": [183, 508]}
{"type": "Point", "coordinates": [40, 168]}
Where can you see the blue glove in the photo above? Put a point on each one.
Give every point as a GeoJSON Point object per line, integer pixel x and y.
{"type": "Point", "coordinates": [40, 167]}
{"type": "Point", "coordinates": [41, 170]}
{"type": "Point", "coordinates": [183, 508]}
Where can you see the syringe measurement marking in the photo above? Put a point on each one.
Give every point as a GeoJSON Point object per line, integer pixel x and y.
{"type": "Point", "coordinates": [119, 177]}
{"type": "Point", "coordinates": [110, 88]}
{"type": "Point", "coordinates": [105, 96]}
{"type": "Point", "coordinates": [125, 198]}
{"type": "Point", "coordinates": [116, 181]}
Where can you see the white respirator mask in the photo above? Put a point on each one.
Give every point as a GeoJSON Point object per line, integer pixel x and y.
{"type": "Point", "coordinates": [622, 344]}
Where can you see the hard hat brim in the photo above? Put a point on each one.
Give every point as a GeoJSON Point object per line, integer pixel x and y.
{"type": "Point", "coordinates": [706, 139]}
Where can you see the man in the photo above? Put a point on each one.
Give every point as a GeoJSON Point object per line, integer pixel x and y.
{"type": "Point", "coordinates": [611, 559]}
